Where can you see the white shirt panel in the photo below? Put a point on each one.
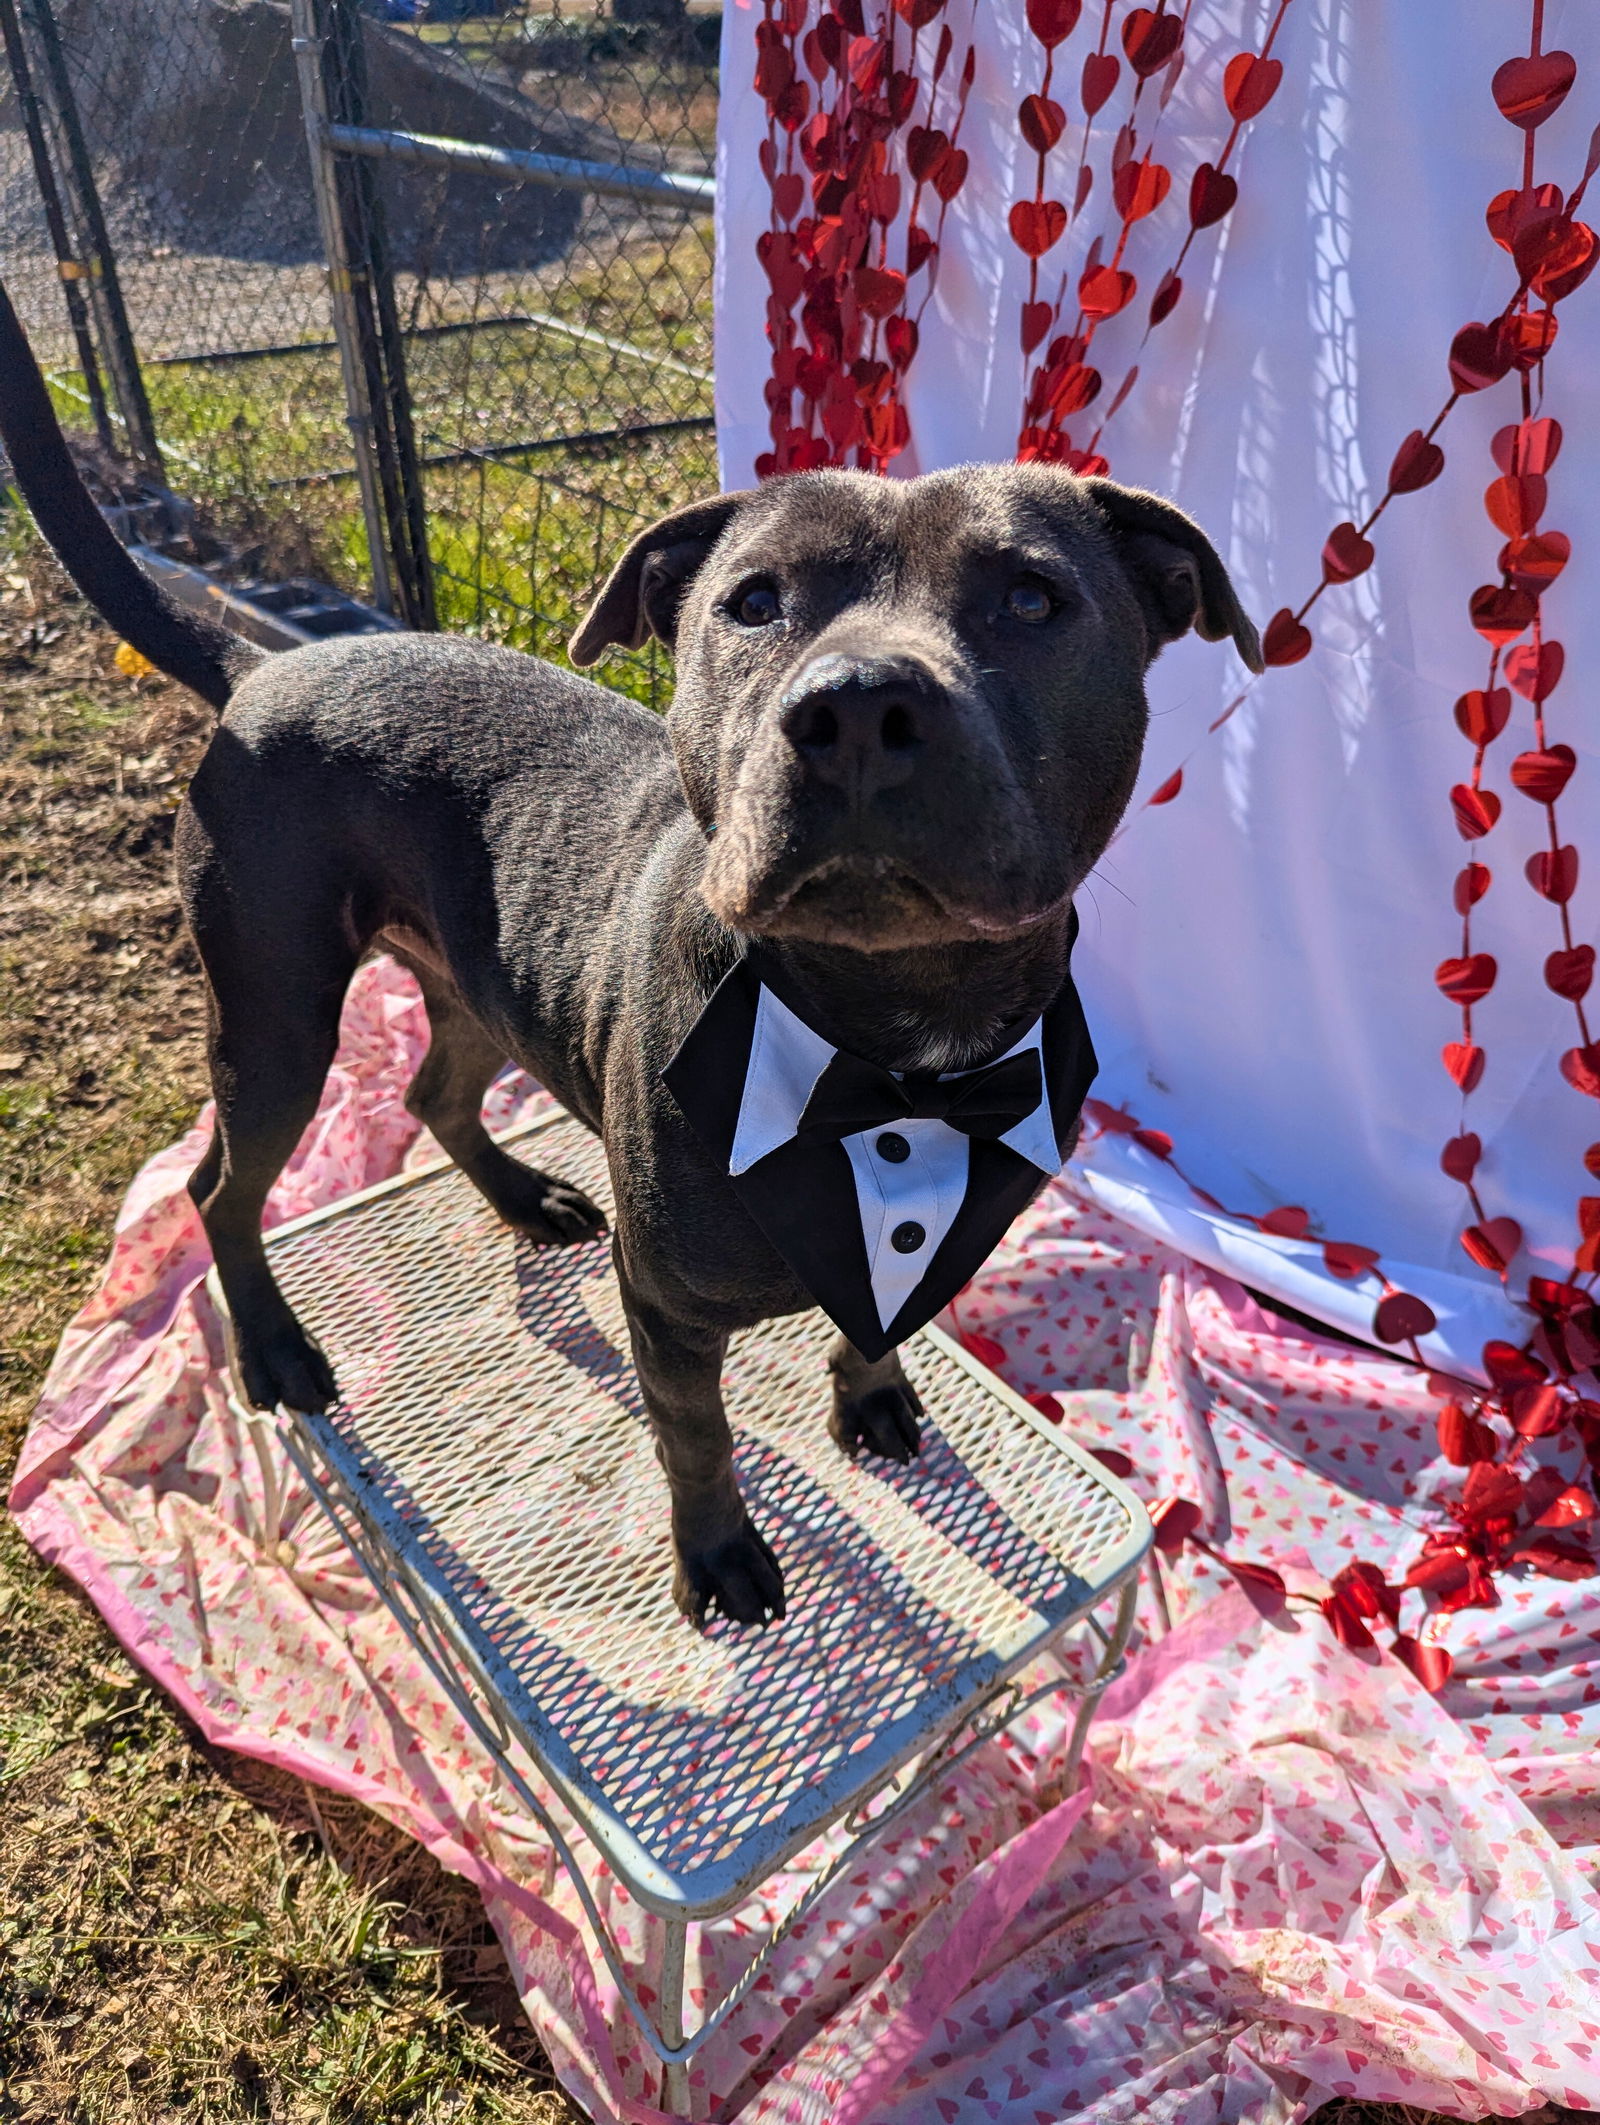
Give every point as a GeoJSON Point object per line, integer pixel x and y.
{"type": "Point", "coordinates": [786, 1059]}
{"type": "Point", "coordinates": [926, 1189]}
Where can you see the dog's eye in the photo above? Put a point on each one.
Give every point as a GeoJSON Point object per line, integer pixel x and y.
{"type": "Point", "coordinates": [1029, 599]}
{"type": "Point", "coordinates": [756, 604]}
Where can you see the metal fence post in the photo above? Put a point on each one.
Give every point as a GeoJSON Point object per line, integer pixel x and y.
{"type": "Point", "coordinates": [309, 38]}
{"type": "Point", "coordinates": [68, 264]}
{"type": "Point", "coordinates": [328, 52]}
{"type": "Point", "coordinates": [95, 256]}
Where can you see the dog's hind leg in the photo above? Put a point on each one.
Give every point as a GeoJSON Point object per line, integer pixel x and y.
{"type": "Point", "coordinates": [446, 1096]}
{"type": "Point", "coordinates": [274, 1030]}
{"type": "Point", "coordinates": [875, 1407]}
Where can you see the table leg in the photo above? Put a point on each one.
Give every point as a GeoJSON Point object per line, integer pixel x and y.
{"type": "Point", "coordinates": [674, 2072]}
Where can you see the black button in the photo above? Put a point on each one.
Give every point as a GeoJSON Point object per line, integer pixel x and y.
{"type": "Point", "coordinates": [907, 1238]}
{"type": "Point", "coordinates": [894, 1148]}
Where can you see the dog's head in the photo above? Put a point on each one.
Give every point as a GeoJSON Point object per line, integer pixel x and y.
{"type": "Point", "coordinates": [911, 712]}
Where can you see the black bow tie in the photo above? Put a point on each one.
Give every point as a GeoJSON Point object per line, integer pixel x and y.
{"type": "Point", "coordinates": [852, 1096]}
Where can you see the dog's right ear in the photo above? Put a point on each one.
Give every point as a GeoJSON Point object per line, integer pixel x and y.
{"type": "Point", "coordinates": [643, 592]}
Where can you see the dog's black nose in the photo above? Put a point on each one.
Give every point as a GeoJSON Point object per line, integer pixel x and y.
{"type": "Point", "coordinates": [859, 723]}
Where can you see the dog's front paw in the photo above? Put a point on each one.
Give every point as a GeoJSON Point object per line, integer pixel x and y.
{"type": "Point", "coordinates": [881, 1420]}
{"type": "Point", "coordinates": [281, 1368]}
{"type": "Point", "coordinates": [740, 1576]}
{"type": "Point", "coordinates": [548, 1210]}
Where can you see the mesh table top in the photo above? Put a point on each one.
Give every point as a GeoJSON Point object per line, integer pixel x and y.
{"type": "Point", "coordinates": [493, 1438]}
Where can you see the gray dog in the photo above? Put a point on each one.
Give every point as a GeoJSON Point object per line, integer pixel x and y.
{"type": "Point", "coordinates": [908, 718]}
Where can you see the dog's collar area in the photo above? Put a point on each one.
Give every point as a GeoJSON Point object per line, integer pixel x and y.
{"type": "Point", "coordinates": [884, 1192]}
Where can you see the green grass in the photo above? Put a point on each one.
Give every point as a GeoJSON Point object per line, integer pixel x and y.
{"type": "Point", "coordinates": [519, 545]}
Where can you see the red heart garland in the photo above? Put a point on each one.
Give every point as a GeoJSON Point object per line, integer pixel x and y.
{"type": "Point", "coordinates": [1433, 1665]}
{"type": "Point", "coordinates": [1212, 193]}
{"type": "Point", "coordinates": [1553, 873]}
{"type": "Point", "coordinates": [919, 13]}
{"type": "Point", "coordinates": [1035, 324]}
{"type": "Point", "coordinates": [1168, 790]}
{"type": "Point", "coordinates": [1051, 21]}
{"type": "Point", "coordinates": [1150, 40]}
{"type": "Point", "coordinates": [1544, 775]}
{"type": "Point", "coordinates": [1463, 1439]}
{"type": "Point", "coordinates": [1165, 299]}
{"type": "Point", "coordinates": [1511, 214]}
{"type": "Point", "coordinates": [1510, 1367]}
{"type": "Point", "coordinates": [1534, 563]}
{"type": "Point", "coordinates": [1466, 981]}
{"type": "Point", "coordinates": [951, 174]}
{"type": "Point", "coordinates": [1401, 1316]}
{"type": "Point", "coordinates": [1464, 1063]}
{"type": "Point", "coordinates": [1500, 615]}
{"type": "Point", "coordinates": [1174, 1520]}
{"type": "Point", "coordinates": [1459, 1158]}
{"type": "Point", "coordinates": [1471, 883]}
{"type": "Point", "coordinates": [1536, 1412]}
{"type": "Point", "coordinates": [1581, 1069]}
{"type": "Point", "coordinates": [1285, 641]}
{"type": "Point", "coordinates": [1042, 122]}
{"type": "Point", "coordinates": [1345, 554]}
{"type": "Point", "coordinates": [1536, 673]}
{"type": "Point", "coordinates": [1036, 224]}
{"type": "Point", "coordinates": [1347, 1260]}
{"type": "Point", "coordinates": [1527, 446]}
{"type": "Point", "coordinates": [1417, 463]}
{"type": "Point", "coordinates": [1479, 357]}
{"type": "Point", "coordinates": [1105, 291]}
{"type": "Point", "coordinates": [1476, 811]}
{"type": "Point", "coordinates": [1482, 715]}
{"type": "Point", "coordinates": [1528, 91]}
{"type": "Point", "coordinates": [1570, 974]}
{"type": "Point", "coordinates": [1289, 1223]}
{"type": "Point", "coordinates": [1249, 84]}
{"type": "Point", "coordinates": [1100, 71]}
{"type": "Point", "coordinates": [1138, 188]}
{"type": "Point", "coordinates": [879, 290]}
{"type": "Point", "coordinates": [1515, 502]}
{"type": "Point", "coordinates": [926, 148]}
{"type": "Point", "coordinates": [1493, 1245]}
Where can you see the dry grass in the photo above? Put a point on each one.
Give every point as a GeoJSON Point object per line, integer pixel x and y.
{"type": "Point", "coordinates": [184, 1935]}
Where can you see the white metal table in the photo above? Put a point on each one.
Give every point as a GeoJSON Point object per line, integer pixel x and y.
{"type": "Point", "coordinates": [491, 1468]}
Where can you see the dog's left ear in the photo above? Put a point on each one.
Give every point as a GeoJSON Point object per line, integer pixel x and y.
{"type": "Point", "coordinates": [1180, 581]}
{"type": "Point", "coordinates": [642, 594]}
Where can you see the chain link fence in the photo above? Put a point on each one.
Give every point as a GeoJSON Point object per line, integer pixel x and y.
{"type": "Point", "coordinates": [521, 288]}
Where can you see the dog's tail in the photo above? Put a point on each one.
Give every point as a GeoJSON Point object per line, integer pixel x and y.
{"type": "Point", "coordinates": [182, 644]}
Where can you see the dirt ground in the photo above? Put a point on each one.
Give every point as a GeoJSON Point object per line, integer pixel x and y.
{"type": "Point", "coordinates": [184, 1935]}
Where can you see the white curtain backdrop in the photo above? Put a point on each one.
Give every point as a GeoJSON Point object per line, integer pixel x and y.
{"type": "Point", "coordinates": [1257, 956]}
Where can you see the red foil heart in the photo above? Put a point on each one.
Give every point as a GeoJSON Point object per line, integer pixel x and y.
{"type": "Point", "coordinates": [1036, 319]}
{"type": "Point", "coordinates": [1515, 502]}
{"type": "Point", "coordinates": [1527, 446]}
{"type": "Point", "coordinates": [1289, 1223]}
{"type": "Point", "coordinates": [1493, 1245]}
{"type": "Point", "coordinates": [1466, 981]}
{"type": "Point", "coordinates": [1036, 224]}
{"type": "Point", "coordinates": [1470, 886]}
{"type": "Point", "coordinates": [1345, 554]}
{"type": "Point", "coordinates": [1138, 188]}
{"type": "Point", "coordinates": [1570, 974]}
{"type": "Point", "coordinates": [1459, 1158]}
{"type": "Point", "coordinates": [1476, 811]}
{"type": "Point", "coordinates": [1053, 20]}
{"type": "Point", "coordinates": [1553, 874]}
{"type": "Point", "coordinates": [1581, 1069]}
{"type": "Point", "coordinates": [1249, 84]}
{"type": "Point", "coordinates": [1400, 1316]}
{"type": "Point", "coordinates": [1479, 357]}
{"type": "Point", "coordinates": [1100, 71]}
{"type": "Point", "coordinates": [1534, 563]}
{"type": "Point", "coordinates": [1481, 715]}
{"type": "Point", "coordinates": [1286, 640]}
{"type": "Point", "coordinates": [1212, 193]}
{"type": "Point", "coordinates": [1165, 299]}
{"type": "Point", "coordinates": [1042, 122]}
{"type": "Point", "coordinates": [1150, 40]}
{"type": "Point", "coordinates": [1544, 774]}
{"type": "Point", "coordinates": [1105, 291]}
{"type": "Point", "coordinates": [1464, 1063]}
{"type": "Point", "coordinates": [1500, 615]}
{"type": "Point", "coordinates": [1528, 91]}
{"type": "Point", "coordinates": [1344, 1259]}
{"type": "Point", "coordinates": [1417, 463]}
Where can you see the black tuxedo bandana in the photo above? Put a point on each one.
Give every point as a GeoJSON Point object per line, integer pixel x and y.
{"type": "Point", "coordinates": [884, 1193]}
